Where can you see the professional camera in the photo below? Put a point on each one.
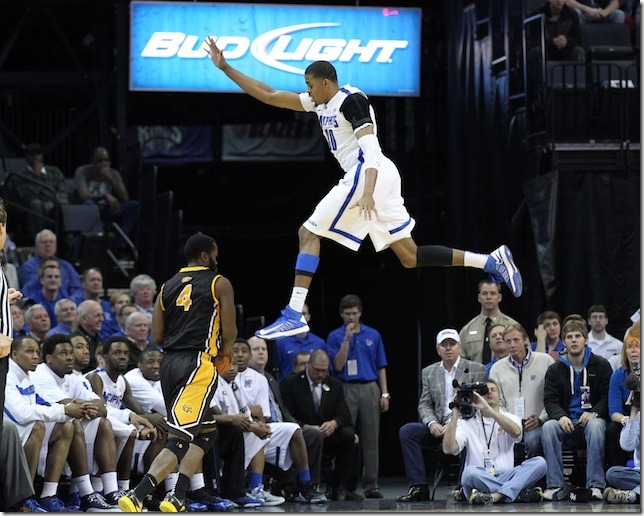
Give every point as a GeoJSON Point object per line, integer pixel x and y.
{"type": "Point", "coordinates": [632, 383]}
{"type": "Point", "coordinates": [465, 397]}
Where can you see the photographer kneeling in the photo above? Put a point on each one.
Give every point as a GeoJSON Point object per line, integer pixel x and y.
{"type": "Point", "coordinates": [489, 435]}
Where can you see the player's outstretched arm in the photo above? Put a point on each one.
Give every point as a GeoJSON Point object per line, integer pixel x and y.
{"type": "Point", "coordinates": [257, 89]}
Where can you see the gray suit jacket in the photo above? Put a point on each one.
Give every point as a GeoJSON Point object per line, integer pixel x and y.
{"type": "Point", "coordinates": [432, 397]}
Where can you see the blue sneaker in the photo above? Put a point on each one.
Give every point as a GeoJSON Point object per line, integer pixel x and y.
{"type": "Point", "coordinates": [289, 323]}
{"type": "Point", "coordinates": [72, 501]}
{"type": "Point", "coordinates": [30, 505]}
{"type": "Point", "coordinates": [247, 501]}
{"type": "Point", "coordinates": [213, 501]}
{"type": "Point", "coordinates": [54, 504]}
{"type": "Point", "coordinates": [501, 267]}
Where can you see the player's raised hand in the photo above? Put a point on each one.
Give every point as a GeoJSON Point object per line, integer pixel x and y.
{"type": "Point", "coordinates": [216, 54]}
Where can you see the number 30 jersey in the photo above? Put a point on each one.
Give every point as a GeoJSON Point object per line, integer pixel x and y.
{"type": "Point", "coordinates": [339, 119]}
{"type": "Point", "coordinates": [191, 311]}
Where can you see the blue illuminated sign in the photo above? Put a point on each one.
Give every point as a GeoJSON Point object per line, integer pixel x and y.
{"type": "Point", "coordinates": [374, 48]}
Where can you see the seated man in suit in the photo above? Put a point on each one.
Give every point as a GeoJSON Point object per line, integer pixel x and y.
{"type": "Point", "coordinates": [433, 409]}
{"type": "Point", "coordinates": [316, 401]}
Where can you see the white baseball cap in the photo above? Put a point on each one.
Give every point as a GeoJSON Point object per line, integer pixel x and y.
{"type": "Point", "coordinates": [447, 333]}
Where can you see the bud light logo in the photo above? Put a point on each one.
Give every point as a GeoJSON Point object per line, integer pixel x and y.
{"type": "Point", "coordinates": [376, 49]}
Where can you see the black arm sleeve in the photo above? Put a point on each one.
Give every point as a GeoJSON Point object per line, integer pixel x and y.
{"type": "Point", "coordinates": [355, 109]}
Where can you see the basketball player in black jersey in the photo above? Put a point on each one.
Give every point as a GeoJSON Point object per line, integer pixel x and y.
{"type": "Point", "coordinates": [194, 322]}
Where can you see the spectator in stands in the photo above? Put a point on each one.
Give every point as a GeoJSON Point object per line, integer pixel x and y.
{"type": "Point", "coordinates": [99, 183]}
{"type": "Point", "coordinates": [288, 347]}
{"type": "Point", "coordinates": [137, 330]}
{"type": "Point", "coordinates": [65, 311]}
{"type": "Point", "coordinates": [600, 341]}
{"type": "Point", "coordinates": [45, 246]}
{"type": "Point", "coordinates": [50, 292]}
{"type": "Point", "coordinates": [561, 32]}
{"type": "Point", "coordinates": [300, 361]}
{"type": "Point", "coordinates": [474, 335]}
{"type": "Point", "coordinates": [33, 287]}
{"type": "Point", "coordinates": [124, 312]}
{"type": "Point", "coordinates": [143, 289]}
{"type": "Point", "coordinates": [111, 326]}
{"type": "Point", "coordinates": [619, 407]}
{"type": "Point", "coordinates": [92, 287]}
{"type": "Point", "coordinates": [597, 11]}
{"type": "Point", "coordinates": [434, 411]}
{"type": "Point", "coordinates": [576, 399]}
{"type": "Point", "coordinates": [521, 377]}
{"type": "Point", "coordinates": [90, 321]}
{"type": "Point", "coordinates": [38, 322]}
{"type": "Point", "coordinates": [498, 346]}
{"type": "Point", "coordinates": [46, 430]}
{"type": "Point", "coordinates": [38, 187]}
{"type": "Point", "coordinates": [548, 334]}
{"type": "Point", "coordinates": [18, 320]}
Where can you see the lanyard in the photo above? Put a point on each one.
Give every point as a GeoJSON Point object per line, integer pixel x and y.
{"type": "Point", "coordinates": [488, 441]}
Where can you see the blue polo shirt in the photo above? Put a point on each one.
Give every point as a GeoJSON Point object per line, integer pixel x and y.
{"type": "Point", "coordinates": [365, 347]}
{"type": "Point", "coordinates": [288, 347]}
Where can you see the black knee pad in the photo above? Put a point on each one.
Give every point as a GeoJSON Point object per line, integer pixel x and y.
{"type": "Point", "coordinates": [178, 447]}
{"type": "Point", "coordinates": [205, 441]}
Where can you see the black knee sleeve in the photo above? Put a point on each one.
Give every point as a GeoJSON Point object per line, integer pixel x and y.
{"type": "Point", "coordinates": [434, 256]}
{"type": "Point", "coordinates": [205, 441]}
{"type": "Point", "coordinates": [178, 447]}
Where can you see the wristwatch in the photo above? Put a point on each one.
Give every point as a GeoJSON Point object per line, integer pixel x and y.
{"type": "Point", "coordinates": [385, 395]}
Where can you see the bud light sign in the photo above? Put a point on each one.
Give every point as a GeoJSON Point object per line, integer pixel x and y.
{"type": "Point", "coordinates": [374, 48]}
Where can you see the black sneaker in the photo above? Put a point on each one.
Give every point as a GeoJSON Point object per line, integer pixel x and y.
{"type": "Point", "coordinates": [114, 497]}
{"type": "Point", "coordinates": [94, 502]}
{"type": "Point", "coordinates": [129, 502]}
{"type": "Point", "coordinates": [309, 494]}
{"type": "Point", "coordinates": [352, 496]}
{"type": "Point", "coordinates": [530, 495]}
{"type": "Point", "coordinates": [172, 504]}
{"type": "Point", "coordinates": [211, 500]}
{"type": "Point", "coordinates": [480, 498]}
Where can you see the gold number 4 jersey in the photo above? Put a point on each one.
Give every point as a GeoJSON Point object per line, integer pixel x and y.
{"type": "Point", "coordinates": [191, 311]}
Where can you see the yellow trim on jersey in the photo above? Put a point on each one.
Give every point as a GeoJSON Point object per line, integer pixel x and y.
{"type": "Point", "coordinates": [214, 329]}
{"type": "Point", "coordinates": [160, 296]}
{"type": "Point", "coordinates": [193, 268]}
{"type": "Point", "coordinates": [190, 403]}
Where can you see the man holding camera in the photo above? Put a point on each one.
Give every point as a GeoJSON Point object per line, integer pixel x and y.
{"type": "Point", "coordinates": [489, 434]}
{"type": "Point", "coordinates": [434, 410]}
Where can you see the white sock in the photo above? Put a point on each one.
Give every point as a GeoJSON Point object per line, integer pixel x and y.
{"type": "Point", "coordinates": [49, 489]}
{"type": "Point", "coordinates": [124, 485]}
{"type": "Point", "coordinates": [83, 484]}
{"type": "Point", "coordinates": [170, 481]}
{"type": "Point", "coordinates": [298, 298]}
{"type": "Point", "coordinates": [197, 482]}
{"type": "Point", "coordinates": [110, 482]}
{"type": "Point", "coordinates": [475, 260]}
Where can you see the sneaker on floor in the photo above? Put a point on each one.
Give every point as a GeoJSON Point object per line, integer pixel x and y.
{"type": "Point", "coordinates": [30, 505]}
{"type": "Point", "coordinates": [95, 502]}
{"type": "Point", "coordinates": [247, 501]}
{"type": "Point", "coordinates": [556, 494]}
{"type": "Point", "coordinates": [129, 502]}
{"type": "Point", "coordinates": [194, 506]}
{"type": "Point", "coordinates": [172, 504]}
{"type": "Point", "coordinates": [596, 494]}
{"type": "Point", "coordinates": [114, 497]}
{"type": "Point", "coordinates": [373, 493]}
{"type": "Point", "coordinates": [53, 504]}
{"type": "Point", "coordinates": [352, 496]}
{"type": "Point", "coordinates": [619, 496]}
{"type": "Point", "coordinates": [268, 499]}
{"type": "Point", "coordinates": [480, 498]}
{"type": "Point", "coordinates": [530, 495]}
{"type": "Point", "coordinates": [501, 267]}
{"type": "Point", "coordinates": [213, 501]}
{"type": "Point", "coordinates": [309, 494]}
{"type": "Point", "coordinates": [72, 501]}
{"type": "Point", "coordinates": [289, 323]}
